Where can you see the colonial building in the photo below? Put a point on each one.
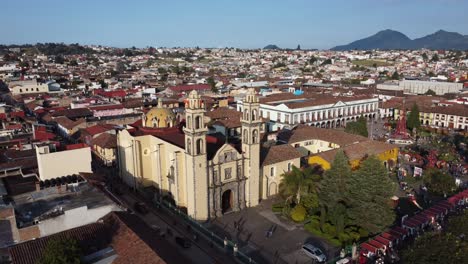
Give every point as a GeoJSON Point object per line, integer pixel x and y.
{"type": "Point", "coordinates": [204, 173]}
{"type": "Point", "coordinates": [287, 110]}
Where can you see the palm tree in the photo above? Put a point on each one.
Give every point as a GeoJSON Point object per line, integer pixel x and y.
{"type": "Point", "coordinates": [297, 182]}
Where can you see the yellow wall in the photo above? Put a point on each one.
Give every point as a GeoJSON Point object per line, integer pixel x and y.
{"type": "Point", "coordinates": [384, 157]}
{"type": "Point", "coordinates": [320, 161]}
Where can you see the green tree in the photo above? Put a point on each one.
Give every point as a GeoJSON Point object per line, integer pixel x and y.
{"type": "Point", "coordinates": [395, 76]}
{"type": "Point", "coordinates": [424, 56]}
{"type": "Point", "coordinates": [358, 127]}
{"type": "Point", "coordinates": [61, 251]}
{"type": "Point", "coordinates": [212, 84]}
{"type": "Point", "coordinates": [447, 247]}
{"type": "Point", "coordinates": [413, 118]}
{"type": "Point", "coordinates": [333, 191]}
{"type": "Point", "coordinates": [327, 61]}
{"type": "Point", "coordinates": [296, 183]}
{"type": "Point", "coordinates": [435, 58]}
{"type": "Point", "coordinates": [312, 60]}
{"type": "Point", "coordinates": [430, 92]}
{"type": "Point", "coordinates": [369, 192]}
{"type": "Point", "coordinates": [103, 84]}
{"type": "Point", "coordinates": [439, 182]}
{"type": "Point", "coordinates": [120, 67]}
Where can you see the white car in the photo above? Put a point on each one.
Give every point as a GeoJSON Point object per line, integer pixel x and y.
{"type": "Point", "coordinates": [314, 252]}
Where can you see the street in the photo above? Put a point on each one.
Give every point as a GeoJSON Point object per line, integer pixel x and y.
{"type": "Point", "coordinates": [201, 251]}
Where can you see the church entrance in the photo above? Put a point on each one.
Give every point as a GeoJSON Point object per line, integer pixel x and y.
{"type": "Point", "coordinates": [226, 201]}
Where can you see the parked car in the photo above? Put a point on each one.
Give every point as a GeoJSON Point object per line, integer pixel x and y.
{"type": "Point", "coordinates": [314, 252]}
{"type": "Point", "coordinates": [141, 208]}
{"type": "Point", "coordinates": [185, 243]}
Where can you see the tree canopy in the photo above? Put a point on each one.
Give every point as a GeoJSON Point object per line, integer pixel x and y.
{"type": "Point", "coordinates": [358, 127]}
{"type": "Point", "coordinates": [446, 247]}
{"type": "Point", "coordinates": [439, 182]}
{"type": "Point", "coordinates": [369, 192]}
{"type": "Point", "coordinates": [297, 183]}
{"type": "Point", "coordinates": [413, 118]}
{"type": "Point", "coordinates": [61, 251]}
{"type": "Point", "coordinates": [334, 189]}
{"type": "Point", "coordinates": [430, 92]}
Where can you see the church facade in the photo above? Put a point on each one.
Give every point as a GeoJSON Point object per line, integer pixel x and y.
{"type": "Point", "coordinates": [197, 171]}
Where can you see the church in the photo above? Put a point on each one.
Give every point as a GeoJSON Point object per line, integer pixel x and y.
{"type": "Point", "coordinates": [202, 173]}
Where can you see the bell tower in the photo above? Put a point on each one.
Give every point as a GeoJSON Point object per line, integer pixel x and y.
{"type": "Point", "coordinates": [195, 157]}
{"type": "Point", "coordinates": [251, 123]}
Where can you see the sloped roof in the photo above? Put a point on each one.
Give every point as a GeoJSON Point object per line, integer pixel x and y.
{"type": "Point", "coordinates": [279, 153]}
{"type": "Point", "coordinates": [303, 132]}
{"type": "Point", "coordinates": [105, 140]}
{"type": "Point", "coordinates": [131, 238]}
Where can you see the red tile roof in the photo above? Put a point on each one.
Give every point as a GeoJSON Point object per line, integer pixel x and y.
{"type": "Point", "coordinates": [188, 88]}
{"type": "Point", "coordinates": [131, 238]}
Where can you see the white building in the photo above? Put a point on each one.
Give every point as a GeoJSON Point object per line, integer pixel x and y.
{"type": "Point", "coordinates": [421, 87]}
{"type": "Point", "coordinates": [28, 87]}
{"type": "Point", "coordinates": [53, 164]}
{"type": "Point", "coordinates": [287, 110]}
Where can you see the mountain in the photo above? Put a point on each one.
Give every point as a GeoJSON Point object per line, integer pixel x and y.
{"type": "Point", "coordinates": [271, 47]}
{"type": "Point", "coordinates": [391, 39]}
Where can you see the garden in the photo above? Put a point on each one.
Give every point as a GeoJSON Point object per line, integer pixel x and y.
{"type": "Point", "coordinates": [341, 205]}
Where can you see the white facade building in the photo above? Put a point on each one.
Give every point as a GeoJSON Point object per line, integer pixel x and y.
{"type": "Point", "coordinates": [287, 110]}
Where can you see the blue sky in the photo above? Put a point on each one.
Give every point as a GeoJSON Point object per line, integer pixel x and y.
{"type": "Point", "coordinates": [223, 23]}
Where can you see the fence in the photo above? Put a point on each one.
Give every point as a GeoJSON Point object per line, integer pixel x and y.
{"type": "Point", "coordinates": [223, 244]}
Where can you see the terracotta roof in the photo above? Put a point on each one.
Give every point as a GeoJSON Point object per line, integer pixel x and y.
{"type": "Point", "coordinates": [98, 129]}
{"type": "Point", "coordinates": [308, 99]}
{"type": "Point", "coordinates": [73, 113]}
{"type": "Point", "coordinates": [186, 88]}
{"type": "Point", "coordinates": [357, 151]}
{"type": "Point", "coordinates": [303, 132]}
{"type": "Point", "coordinates": [105, 140]}
{"type": "Point", "coordinates": [67, 123]}
{"type": "Point", "coordinates": [131, 238]}
{"type": "Point", "coordinates": [279, 153]}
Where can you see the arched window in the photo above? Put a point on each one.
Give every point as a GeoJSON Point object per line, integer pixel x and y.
{"type": "Point", "coordinates": [254, 114]}
{"type": "Point", "coordinates": [246, 137]}
{"type": "Point", "coordinates": [255, 136]}
{"type": "Point", "coordinates": [246, 114]}
{"type": "Point", "coordinates": [198, 122]}
{"type": "Point", "coordinates": [189, 146]}
{"type": "Point", "coordinates": [199, 146]}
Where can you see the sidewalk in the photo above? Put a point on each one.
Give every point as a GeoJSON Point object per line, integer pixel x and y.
{"type": "Point", "coordinates": [164, 220]}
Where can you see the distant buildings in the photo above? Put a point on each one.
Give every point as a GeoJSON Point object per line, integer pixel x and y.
{"type": "Point", "coordinates": [421, 87]}
{"type": "Point", "coordinates": [28, 87]}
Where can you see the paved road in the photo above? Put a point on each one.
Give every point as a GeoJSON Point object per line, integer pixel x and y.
{"type": "Point", "coordinates": [249, 229]}
{"type": "Point", "coordinates": [201, 252]}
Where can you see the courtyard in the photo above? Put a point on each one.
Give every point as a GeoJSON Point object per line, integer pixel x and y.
{"type": "Point", "coordinates": [268, 237]}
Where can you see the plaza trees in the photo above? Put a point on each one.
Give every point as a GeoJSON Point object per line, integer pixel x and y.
{"type": "Point", "coordinates": [413, 118]}
{"type": "Point", "coordinates": [299, 186]}
{"type": "Point", "coordinates": [333, 192]}
{"type": "Point", "coordinates": [369, 192]}
{"type": "Point", "coordinates": [358, 127]}
{"type": "Point", "coordinates": [439, 182]}
{"type": "Point", "coordinates": [450, 246]}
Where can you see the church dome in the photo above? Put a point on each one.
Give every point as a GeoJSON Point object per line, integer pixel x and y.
{"type": "Point", "coordinates": [159, 118]}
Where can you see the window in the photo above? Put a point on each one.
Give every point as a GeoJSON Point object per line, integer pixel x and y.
{"type": "Point", "coordinates": [199, 146]}
{"type": "Point", "coordinates": [272, 171]}
{"type": "Point", "coordinates": [227, 173]}
{"type": "Point", "coordinates": [289, 166]}
{"type": "Point", "coordinates": [198, 122]}
{"type": "Point", "coordinates": [255, 136]}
